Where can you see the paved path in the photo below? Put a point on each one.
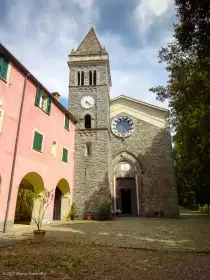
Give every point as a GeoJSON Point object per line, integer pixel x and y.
{"type": "Point", "coordinates": [189, 233]}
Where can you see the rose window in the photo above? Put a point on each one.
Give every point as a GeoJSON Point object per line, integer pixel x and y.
{"type": "Point", "coordinates": [122, 126]}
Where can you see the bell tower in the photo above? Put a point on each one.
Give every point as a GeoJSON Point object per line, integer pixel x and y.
{"type": "Point", "coordinates": [89, 101]}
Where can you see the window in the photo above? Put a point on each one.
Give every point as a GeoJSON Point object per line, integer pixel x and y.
{"type": "Point", "coordinates": [78, 78]}
{"type": "Point", "coordinates": [3, 68]}
{"type": "Point", "coordinates": [67, 122]}
{"type": "Point", "coordinates": [65, 155]}
{"type": "Point", "coordinates": [37, 143]}
{"type": "Point", "coordinates": [53, 149]}
{"type": "Point", "coordinates": [82, 78]}
{"type": "Point", "coordinates": [43, 101]}
{"type": "Point", "coordinates": [87, 121]}
{"type": "Point", "coordinates": [90, 78]}
{"type": "Point", "coordinates": [88, 150]}
{"type": "Point", "coordinates": [94, 77]}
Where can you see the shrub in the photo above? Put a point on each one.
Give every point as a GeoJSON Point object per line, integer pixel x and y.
{"type": "Point", "coordinates": [109, 203]}
{"type": "Point", "coordinates": [204, 208]}
{"type": "Point", "coordinates": [104, 212]}
{"type": "Point", "coordinates": [73, 211]}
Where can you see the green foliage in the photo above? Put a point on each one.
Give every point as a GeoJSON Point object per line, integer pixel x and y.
{"type": "Point", "coordinates": [204, 209]}
{"type": "Point", "coordinates": [73, 211]}
{"type": "Point", "coordinates": [157, 210]}
{"type": "Point", "coordinates": [109, 203]}
{"type": "Point", "coordinates": [105, 210]}
{"type": "Point", "coordinates": [187, 60]}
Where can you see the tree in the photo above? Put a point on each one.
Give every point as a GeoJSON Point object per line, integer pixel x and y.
{"type": "Point", "coordinates": [187, 60]}
{"type": "Point", "coordinates": [30, 198]}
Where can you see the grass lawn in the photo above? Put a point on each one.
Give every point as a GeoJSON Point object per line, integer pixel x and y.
{"type": "Point", "coordinates": [61, 260]}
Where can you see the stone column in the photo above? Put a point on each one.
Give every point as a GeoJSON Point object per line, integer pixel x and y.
{"type": "Point", "coordinates": [141, 196]}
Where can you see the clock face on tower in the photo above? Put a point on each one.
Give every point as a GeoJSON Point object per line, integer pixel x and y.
{"type": "Point", "coordinates": [87, 102]}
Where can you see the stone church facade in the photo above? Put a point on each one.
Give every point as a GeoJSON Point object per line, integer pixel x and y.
{"type": "Point", "coordinates": [123, 146]}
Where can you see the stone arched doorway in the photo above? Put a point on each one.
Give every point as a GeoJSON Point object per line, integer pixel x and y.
{"type": "Point", "coordinates": [31, 181]}
{"type": "Point", "coordinates": [126, 190]}
{"type": "Point", "coordinates": [126, 178]}
{"type": "Point", "coordinates": [61, 200]}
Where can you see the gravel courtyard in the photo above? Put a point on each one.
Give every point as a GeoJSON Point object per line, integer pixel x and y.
{"type": "Point", "coordinates": [128, 248]}
{"type": "Point", "coordinates": [190, 233]}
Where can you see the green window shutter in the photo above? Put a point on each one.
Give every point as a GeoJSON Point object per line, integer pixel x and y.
{"type": "Point", "coordinates": [38, 96]}
{"type": "Point", "coordinates": [66, 122]}
{"type": "Point", "coordinates": [37, 144]}
{"type": "Point", "coordinates": [65, 155]}
{"type": "Point", "coordinates": [49, 101]}
{"type": "Point", "coordinates": [3, 68]}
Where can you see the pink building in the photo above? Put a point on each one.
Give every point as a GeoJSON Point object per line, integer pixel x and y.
{"type": "Point", "coordinates": [36, 143]}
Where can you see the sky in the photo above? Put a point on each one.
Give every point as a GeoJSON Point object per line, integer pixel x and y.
{"type": "Point", "coordinates": [41, 34]}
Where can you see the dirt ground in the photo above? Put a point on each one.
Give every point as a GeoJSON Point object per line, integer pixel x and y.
{"type": "Point", "coordinates": [62, 260]}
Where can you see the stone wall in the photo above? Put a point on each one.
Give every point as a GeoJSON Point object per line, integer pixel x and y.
{"type": "Point", "coordinates": [91, 174]}
{"type": "Point", "coordinates": [151, 146]}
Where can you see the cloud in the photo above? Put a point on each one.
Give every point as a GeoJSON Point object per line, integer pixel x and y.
{"type": "Point", "coordinates": [156, 6]}
{"type": "Point", "coordinates": [41, 34]}
{"type": "Point", "coordinates": [148, 12]}
{"type": "Point", "coordinates": [83, 3]}
{"type": "Point", "coordinates": [135, 72]}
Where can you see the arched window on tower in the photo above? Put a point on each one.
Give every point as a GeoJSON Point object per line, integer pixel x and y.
{"type": "Point", "coordinates": [90, 78]}
{"type": "Point", "coordinates": [78, 78]}
{"type": "Point", "coordinates": [82, 78]}
{"type": "Point", "coordinates": [94, 77]}
{"type": "Point", "coordinates": [87, 121]}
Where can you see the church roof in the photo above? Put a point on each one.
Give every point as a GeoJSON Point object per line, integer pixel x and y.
{"type": "Point", "coordinates": [139, 102]}
{"type": "Point", "coordinates": [90, 45]}
{"type": "Point", "coordinates": [153, 115]}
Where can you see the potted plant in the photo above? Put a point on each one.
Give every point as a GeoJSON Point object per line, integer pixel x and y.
{"type": "Point", "coordinates": [113, 215]}
{"type": "Point", "coordinates": [118, 212]}
{"type": "Point", "coordinates": [43, 200]}
{"type": "Point", "coordinates": [73, 211]}
{"type": "Point", "coordinates": [89, 216]}
{"type": "Point", "coordinates": [158, 212]}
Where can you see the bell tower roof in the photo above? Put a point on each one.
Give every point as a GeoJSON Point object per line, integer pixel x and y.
{"type": "Point", "coordinates": [90, 52]}
{"type": "Point", "coordinates": [90, 45]}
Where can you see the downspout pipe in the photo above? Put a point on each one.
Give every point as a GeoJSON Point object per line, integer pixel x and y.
{"type": "Point", "coordinates": [5, 228]}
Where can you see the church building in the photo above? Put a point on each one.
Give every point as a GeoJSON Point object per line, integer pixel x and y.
{"type": "Point", "coordinates": [99, 149]}
{"type": "Point", "coordinates": [123, 146]}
